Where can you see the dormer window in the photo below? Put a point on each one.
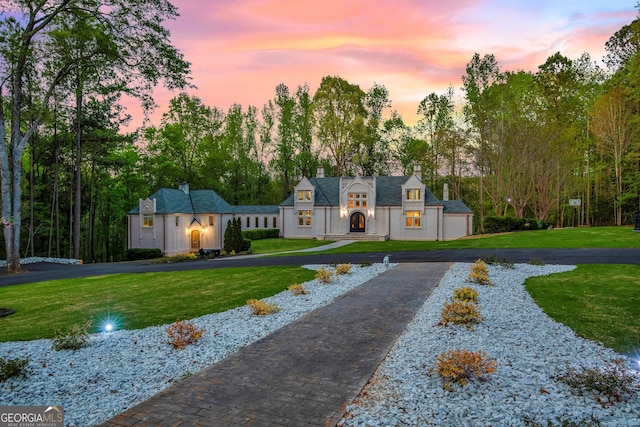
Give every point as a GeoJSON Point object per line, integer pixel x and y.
{"type": "Point", "coordinates": [304, 195]}
{"type": "Point", "coordinates": [414, 194]}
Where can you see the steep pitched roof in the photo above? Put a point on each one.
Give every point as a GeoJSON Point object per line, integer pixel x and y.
{"type": "Point", "coordinates": [388, 193]}
{"type": "Point", "coordinates": [169, 200]}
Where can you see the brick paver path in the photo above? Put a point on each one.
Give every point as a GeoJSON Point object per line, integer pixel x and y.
{"type": "Point", "coordinates": [304, 374]}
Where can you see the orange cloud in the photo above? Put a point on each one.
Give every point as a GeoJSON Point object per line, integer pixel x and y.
{"type": "Point", "coordinates": [241, 50]}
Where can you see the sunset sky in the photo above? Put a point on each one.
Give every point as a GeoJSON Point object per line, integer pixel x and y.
{"type": "Point", "coordinates": [241, 50]}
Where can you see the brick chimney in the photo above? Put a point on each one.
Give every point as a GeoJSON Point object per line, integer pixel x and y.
{"type": "Point", "coordinates": [320, 173]}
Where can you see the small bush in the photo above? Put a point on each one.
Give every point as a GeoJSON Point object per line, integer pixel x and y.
{"type": "Point", "coordinates": [13, 368]}
{"type": "Point", "coordinates": [175, 259]}
{"type": "Point", "coordinates": [460, 313]}
{"type": "Point", "coordinates": [297, 289]}
{"type": "Point", "coordinates": [365, 263]}
{"type": "Point", "coordinates": [615, 382]}
{"type": "Point", "coordinates": [261, 233]}
{"type": "Point", "coordinates": [536, 261]}
{"type": "Point", "coordinates": [136, 254]}
{"type": "Point", "coordinates": [324, 276]}
{"type": "Point", "coordinates": [465, 293]}
{"type": "Point", "coordinates": [479, 274]}
{"type": "Point", "coordinates": [343, 269]}
{"type": "Point", "coordinates": [74, 338]}
{"type": "Point", "coordinates": [261, 308]}
{"type": "Point", "coordinates": [460, 366]}
{"type": "Point", "coordinates": [494, 260]}
{"type": "Point", "coordinates": [182, 333]}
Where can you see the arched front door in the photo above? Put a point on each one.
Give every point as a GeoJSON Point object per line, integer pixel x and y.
{"type": "Point", "coordinates": [357, 223]}
{"type": "Point", "coordinates": [195, 240]}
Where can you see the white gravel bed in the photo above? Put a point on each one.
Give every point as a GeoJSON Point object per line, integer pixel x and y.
{"type": "Point", "coordinates": [35, 259]}
{"type": "Point", "coordinates": [123, 368]}
{"type": "Point", "coordinates": [529, 347]}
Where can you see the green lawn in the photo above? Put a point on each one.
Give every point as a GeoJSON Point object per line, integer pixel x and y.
{"type": "Point", "coordinates": [136, 300]}
{"type": "Point", "coordinates": [266, 246]}
{"type": "Point", "coordinates": [593, 237]}
{"type": "Point", "coordinates": [599, 302]}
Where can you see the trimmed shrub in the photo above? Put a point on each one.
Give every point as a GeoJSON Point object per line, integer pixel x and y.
{"type": "Point", "coordinates": [460, 366]}
{"type": "Point", "coordinates": [74, 338]}
{"type": "Point", "coordinates": [324, 276]}
{"type": "Point", "coordinates": [343, 269]}
{"type": "Point", "coordinates": [460, 313]}
{"type": "Point", "coordinates": [261, 233]}
{"type": "Point", "coordinates": [465, 294]}
{"type": "Point", "coordinates": [182, 333]}
{"type": "Point", "coordinates": [503, 224]}
{"type": "Point", "coordinates": [479, 274]}
{"type": "Point", "coordinates": [261, 308]}
{"type": "Point", "coordinates": [137, 254]}
{"type": "Point", "coordinates": [13, 368]}
{"type": "Point", "coordinates": [297, 289]}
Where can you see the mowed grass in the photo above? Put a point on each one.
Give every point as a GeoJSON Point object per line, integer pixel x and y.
{"type": "Point", "coordinates": [266, 246]}
{"type": "Point", "coordinates": [599, 302]}
{"type": "Point", "coordinates": [136, 300]}
{"type": "Point", "coordinates": [592, 237]}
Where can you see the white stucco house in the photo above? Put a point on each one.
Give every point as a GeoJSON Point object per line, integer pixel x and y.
{"type": "Point", "coordinates": [180, 221]}
{"type": "Point", "coordinates": [372, 208]}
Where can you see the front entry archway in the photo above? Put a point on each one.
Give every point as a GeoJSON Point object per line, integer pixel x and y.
{"type": "Point", "coordinates": [195, 240]}
{"type": "Point", "coordinates": [357, 223]}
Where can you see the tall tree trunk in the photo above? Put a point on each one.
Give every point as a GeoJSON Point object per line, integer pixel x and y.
{"type": "Point", "coordinates": [77, 214]}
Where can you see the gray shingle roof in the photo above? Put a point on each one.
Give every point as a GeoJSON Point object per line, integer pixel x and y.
{"type": "Point", "coordinates": [169, 200]}
{"type": "Point", "coordinates": [388, 189]}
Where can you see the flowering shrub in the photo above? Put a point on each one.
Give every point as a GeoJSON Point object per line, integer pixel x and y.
{"type": "Point", "coordinates": [261, 308]}
{"type": "Point", "coordinates": [297, 289]}
{"type": "Point", "coordinates": [74, 338]}
{"type": "Point", "coordinates": [324, 276]}
{"type": "Point", "coordinates": [460, 313]}
{"type": "Point", "coordinates": [465, 293]}
{"type": "Point", "coordinates": [460, 366]}
{"type": "Point", "coordinates": [343, 269]}
{"type": "Point", "coordinates": [479, 274]}
{"type": "Point", "coordinates": [615, 382]}
{"type": "Point", "coordinates": [182, 333]}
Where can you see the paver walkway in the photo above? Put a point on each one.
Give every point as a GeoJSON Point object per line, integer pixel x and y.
{"type": "Point", "coordinates": [304, 374]}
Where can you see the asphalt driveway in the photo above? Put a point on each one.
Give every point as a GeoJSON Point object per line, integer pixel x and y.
{"type": "Point", "coordinates": [47, 271]}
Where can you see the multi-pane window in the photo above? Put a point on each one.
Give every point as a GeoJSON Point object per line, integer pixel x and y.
{"type": "Point", "coordinates": [304, 195]}
{"type": "Point", "coordinates": [413, 194]}
{"type": "Point", "coordinates": [413, 219]}
{"type": "Point", "coordinates": [257, 222]}
{"type": "Point", "coordinates": [274, 222]}
{"type": "Point", "coordinates": [304, 218]}
{"type": "Point", "coordinates": [177, 221]}
{"type": "Point", "coordinates": [248, 219]}
{"type": "Point", "coordinates": [147, 220]}
{"type": "Point", "coordinates": [265, 222]}
{"type": "Point", "coordinates": [357, 200]}
{"type": "Point", "coordinates": [211, 222]}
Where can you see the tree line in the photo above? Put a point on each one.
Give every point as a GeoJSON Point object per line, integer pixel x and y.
{"type": "Point", "coordinates": [518, 143]}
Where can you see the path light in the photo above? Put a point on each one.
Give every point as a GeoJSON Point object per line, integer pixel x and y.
{"type": "Point", "coordinates": [109, 324]}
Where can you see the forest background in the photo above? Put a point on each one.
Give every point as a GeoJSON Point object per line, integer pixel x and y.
{"type": "Point", "coordinates": [518, 143]}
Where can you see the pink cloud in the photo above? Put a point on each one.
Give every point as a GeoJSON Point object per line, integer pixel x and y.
{"type": "Point", "coordinates": [241, 50]}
